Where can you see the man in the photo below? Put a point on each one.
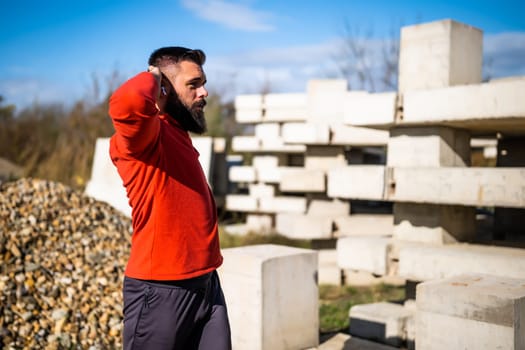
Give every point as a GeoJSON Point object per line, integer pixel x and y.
{"type": "Point", "coordinates": [172, 295]}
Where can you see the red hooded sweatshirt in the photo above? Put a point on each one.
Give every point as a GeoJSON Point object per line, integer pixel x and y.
{"type": "Point", "coordinates": [175, 233]}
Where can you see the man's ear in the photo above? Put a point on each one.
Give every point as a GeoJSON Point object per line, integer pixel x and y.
{"type": "Point", "coordinates": [165, 85]}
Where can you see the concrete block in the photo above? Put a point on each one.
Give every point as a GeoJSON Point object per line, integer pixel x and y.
{"type": "Point", "coordinates": [364, 253]}
{"type": "Point", "coordinates": [428, 147]}
{"type": "Point", "coordinates": [383, 322]}
{"type": "Point", "coordinates": [260, 285]}
{"type": "Point", "coordinates": [240, 202]}
{"type": "Point", "coordinates": [488, 309]}
{"type": "Point", "coordinates": [301, 226]}
{"type": "Point", "coordinates": [459, 333]}
{"type": "Point", "coordinates": [328, 271]}
{"type": "Point", "coordinates": [365, 225]}
{"type": "Point", "coordinates": [426, 262]}
{"type": "Point", "coordinates": [277, 145]}
{"type": "Point", "coordinates": [439, 54]}
{"type": "Point", "coordinates": [242, 173]}
{"type": "Point", "coordinates": [362, 108]}
{"type": "Point", "coordinates": [433, 223]}
{"type": "Point", "coordinates": [357, 182]}
{"type": "Point", "coordinates": [105, 183]}
{"type": "Point", "coordinates": [259, 223]}
{"type": "Point", "coordinates": [249, 116]}
{"type": "Point", "coordinates": [324, 157]}
{"type": "Point", "coordinates": [463, 186]}
{"type": "Point", "coordinates": [328, 208]}
{"type": "Point", "coordinates": [273, 175]}
{"type": "Point", "coordinates": [266, 131]}
{"type": "Point", "coordinates": [357, 136]}
{"type": "Point", "coordinates": [324, 100]}
{"type": "Point", "coordinates": [303, 180]}
{"type": "Point", "coordinates": [204, 146]}
{"type": "Point", "coordinates": [306, 133]}
{"type": "Point", "coordinates": [246, 144]}
{"type": "Point", "coordinates": [282, 204]}
{"type": "Point", "coordinates": [485, 107]}
{"type": "Point", "coordinates": [283, 107]}
{"type": "Point", "coordinates": [261, 190]}
{"type": "Point", "coordinates": [248, 108]}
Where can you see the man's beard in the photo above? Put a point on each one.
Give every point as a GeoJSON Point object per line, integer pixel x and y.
{"type": "Point", "coordinates": [191, 118]}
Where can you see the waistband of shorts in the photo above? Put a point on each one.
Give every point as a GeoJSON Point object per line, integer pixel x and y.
{"type": "Point", "coordinates": [190, 283]}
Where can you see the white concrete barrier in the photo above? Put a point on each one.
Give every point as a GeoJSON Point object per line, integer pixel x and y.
{"type": "Point", "coordinates": [481, 104]}
{"type": "Point", "coordinates": [367, 253]}
{"type": "Point", "coordinates": [246, 144]}
{"type": "Point", "coordinates": [324, 157]}
{"type": "Point", "coordinates": [383, 322]}
{"type": "Point", "coordinates": [362, 108]}
{"type": "Point", "coordinates": [301, 226]}
{"type": "Point", "coordinates": [241, 202]}
{"type": "Point", "coordinates": [427, 262]}
{"type": "Point", "coordinates": [428, 147]}
{"type": "Point", "coordinates": [357, 182]}
{"type": "Point", "coordinates": [472, 311]}
{"type": "Point", "coordinates": [466, 186]}
{"type": "Point", "coordinates": [272, 297]}
{"type": "Point", "coordinates": [105, 183]}
{"type": "Point", "coordinates": [242, 173]}
{"type": "Point", "coordinates": [285, 107]}
{"type": "Point", "coordinates": [324, 100]}
{"type": "Point", "coordinates": [357, 136]}
{"type": "Point", "coordinates": [248, 108]}
{"type": "Point", "coordinates": [306, 133]}
{"type": "Point", "coordinates": [365, 225]}
{"type": "Point", "coordinates": [303, 180]}
{"type": "Point", "coordinates": [282, 204]}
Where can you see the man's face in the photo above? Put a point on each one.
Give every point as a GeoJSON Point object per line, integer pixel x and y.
{"type": "Point", "coordinates": [186, 103]}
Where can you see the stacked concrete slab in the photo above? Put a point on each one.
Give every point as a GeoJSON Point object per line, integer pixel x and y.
{"type": "Point", "coordinates": [440, 115]}
{"type": "Point", "coordinates": [435, 191]}
{"type": "Point", "coordinates": [297, 139]}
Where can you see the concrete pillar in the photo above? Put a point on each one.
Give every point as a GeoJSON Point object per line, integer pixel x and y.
{"type": "Point", "coordinates": [272, 297]}
{"type": "Point", "coordinates": [439, 54]}
{"type": "Point", "coordinates": [324, 157]}
{"type": "Point", "coordinates": [434, 223]}
{"type": "Point", "coordinates": [434, 146]}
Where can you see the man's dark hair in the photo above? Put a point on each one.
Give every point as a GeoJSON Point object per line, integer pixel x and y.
{"type": "Point", "coordinates": [174, 55]}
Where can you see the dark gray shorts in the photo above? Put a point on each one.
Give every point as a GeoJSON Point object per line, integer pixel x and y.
{"type": "Point", "coordinates": [187, 314]}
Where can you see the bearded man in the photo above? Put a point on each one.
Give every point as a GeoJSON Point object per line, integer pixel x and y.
{"type": "Point", "coordinates": [172, 294]}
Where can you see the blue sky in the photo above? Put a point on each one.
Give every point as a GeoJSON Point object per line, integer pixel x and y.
{"type": "Point", "coordinates": [50, 51]}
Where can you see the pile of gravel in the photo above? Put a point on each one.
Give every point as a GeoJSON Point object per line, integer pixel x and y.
{"type": "Point", "coordinates": [62, 258]}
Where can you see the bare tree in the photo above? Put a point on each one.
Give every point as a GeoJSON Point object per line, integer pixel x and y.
{"type": "Point", "coordinates": [359, 55]}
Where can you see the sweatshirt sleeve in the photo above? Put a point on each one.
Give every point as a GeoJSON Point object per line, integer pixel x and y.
{"type": "Point", "coordinates": [134, 113]}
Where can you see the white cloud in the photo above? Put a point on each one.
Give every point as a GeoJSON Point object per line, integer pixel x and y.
{"type": "Point", "coordinates": [230, 14]}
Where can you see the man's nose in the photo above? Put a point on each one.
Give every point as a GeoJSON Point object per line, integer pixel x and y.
{"type": "Point", "coordinates": [202, 92]}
